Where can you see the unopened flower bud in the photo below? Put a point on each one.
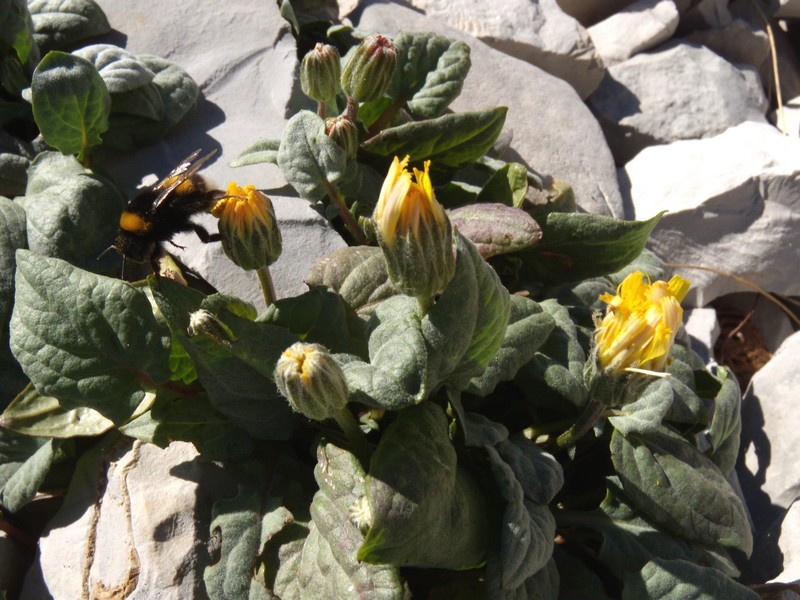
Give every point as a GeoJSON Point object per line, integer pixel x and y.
{"type": "Point", "coordinates": [344, 132]}
{"type": "Point", "coordinates": [320, 73]}
{"type": "Point", "coordinates": [370, 69]}
{"type": "Point", "coordinates": [311, 379]}
{"type": "Point", "coordinates": [414, 232]}
{"type": "Point", "coordinates": [250, 234]}
{"type": "Point", "coordinates": [204, 322]}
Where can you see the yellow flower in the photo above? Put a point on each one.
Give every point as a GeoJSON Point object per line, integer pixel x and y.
{"type": "Point", "coordinates": [640, 323]}
{"type": "Point", "coordinates": [247, 225]}
{"type": "Point", "coordinates": [414, 232]}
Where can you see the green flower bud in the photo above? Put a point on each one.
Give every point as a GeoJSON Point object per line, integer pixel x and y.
{"type": "Point", "coordinates": [311, 379]}
{"type": "Point", "coordinates": [344, 132]}
{"type": "Point", "coordinates": [247, 225]}
{"type": "Point", "coordinates": [204, 322]}
{"type": "Point", "coordinates": [320, 73]}
{"type": "Point", "coordinates": [414, 232]}
{"type": "Point", "coordinates": [369, 70]}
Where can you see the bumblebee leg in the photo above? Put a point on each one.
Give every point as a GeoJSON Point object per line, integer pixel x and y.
{"type": "Point", "coordinates": [178, 246]}
{"type": "Point", "coordinates": [203, 234]}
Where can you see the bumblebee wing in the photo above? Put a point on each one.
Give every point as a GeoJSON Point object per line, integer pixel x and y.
{"type": "Point", "coordinates": [187, 167]}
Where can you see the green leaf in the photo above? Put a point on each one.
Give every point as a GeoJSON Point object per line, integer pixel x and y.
{"type": "Point", "coordinates": [239, 523]}
{"type": "Point", "coordinates": [192, 420]}
{"type": "Point", "coordinates": [647, 412]}
{"type": "Point", "coordinates": [43, 416]}
{"type": "Point", "coordinates": [681, 580]}
{"type": "Point", "coordinates": [72, 213]}
{"type": "Point", "coordinates": [451, 140]}
{"type": "Point", "coordinates": [538, 472]}
{"type": "Point", "coordinates": [527, 528]}
{"type": "Point", "coordinates": [71, 103]}
{"type": "Point", "coordinates": [238, 375]}
{"type": "Point", "coordinates": [496, 228]}
{"type": "Point", "coordinates": [264, 150]}
{"type": "Point", "coordinates": [121, 71]}
{"type": "Point", "coordinates": [324, 565]}
{"type": "Point", "coordinates": [13, 174]}
{"type": "Point", "coordinates": [310, 160]}
{"type": "Point", "coordinates": [60, 23]}
{"type": "Point", "coordinates": [508, 185]}
{"type": "Point", "coordinates": [16, 28]}
{"type": "Point", "coordinates": [426, 511]}
{"type": "Point", "coordinates": [178, 92]}
{"type": "Point", "coordinates": [89, 341]}
{"type": "Point", "coordinates": [578, 245]}
{"type": "Point", "coordinates": [726, 424]}
{"type": "Point", "coordinates": [629, 540]}
{"type": "Point", "coordinates": [144, 101]}
{"type": "Point", "coordinates": [22, 486]}
{"type": "Point", "coordinates": [318, 316]}
{"type": "Point", "coordinates": [670, 481]}
{"type": "Point", "coordinates": [490, 318]}
{"type": "Point", "coordinates": [12, 237]}
{"type": "Point", "coordinates": [412, 353]}
{"type": "Point", "coordinates": [15, 449]}
{"type": "Point", "coordinates": [357, 273]}
{"type": "Point", "coordinates": [554, 378]}
{"type": "Point", "coordinates": [528, 328]}
{"type": "Point", "coordinates": [431, 72]}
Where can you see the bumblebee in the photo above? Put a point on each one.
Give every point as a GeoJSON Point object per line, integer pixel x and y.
{"type": "Point", "coordinates": [165, 209]}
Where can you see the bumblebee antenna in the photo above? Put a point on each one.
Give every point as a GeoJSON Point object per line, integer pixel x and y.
{"type": "Point", "coordinates": [106, 251]}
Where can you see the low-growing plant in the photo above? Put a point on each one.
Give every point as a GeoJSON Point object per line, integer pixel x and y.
{"type": "Point", "coordinates": [499, 398]}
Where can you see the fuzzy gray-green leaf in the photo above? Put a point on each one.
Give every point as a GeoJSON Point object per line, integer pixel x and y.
{"type": "Point", "coordinates": [13, 174]}
{"type": "Point", "coordinates": [496, 228]}
{"type": "Point", "coordinates": [681, 580]}
{"type": "Point", "coordinates": [261, 151]}
{"type": "Point", "coordinates": [726, 424]}
{"type": "Point", "coordinates": [16, 28]}
{"type": "Point", "coordinates": [451, 140]}
{"type": "Point", "coordinates": [121, 70]}
{"type": "Point", "coordinates": [670, 481]}
{"type": "Point", "coordinates": [426, 510]}
{"type": "Point", "coordinates": [71, 103]}
{"type": "Point", "coordinates": [85, 339]}
{"type": "Point", "coordinates": [431, 72]}
{"type": "Point", "coordinates": [25, 482]}
{"type": "Point", "coordinates": [60, 23]}
{"type": "Point", "coordinates": [308, 158]}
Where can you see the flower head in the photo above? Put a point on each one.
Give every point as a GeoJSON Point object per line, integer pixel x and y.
{"type": "Point", "coordinates": [320, 73]}
{"type": "Point", "coordinates": [369, 69]}
{"type": "Point", "coordinates": [250, 234]}
{"type": "Point", "coordinates": [640, 323]}
{"type": "Point", "coordinates": [414, 232]}
{"type": "Point", "coordinates": [311, 379]}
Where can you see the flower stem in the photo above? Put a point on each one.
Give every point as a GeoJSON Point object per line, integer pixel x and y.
{"type": "Point", "coordinates": [267, 288]}
{"type": "Point", "coordinates": [347, 422]}
{"type": "Point", "coordinates": [352, 109]}
{"type": "Point", "coordinates": [348, 219]}
{"type": "Point", "coordinates": [322, 110]}
{"type": "Point", "coordinates": [387, 115]}
{"type": "Point", "coordinates": [590, 415]}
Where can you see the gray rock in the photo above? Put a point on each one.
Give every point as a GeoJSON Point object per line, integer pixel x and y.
{"type": "Point", "coordinates": [738, 43]}
{"type": "Point", "coordinates": [638, 27]}
{"type": "Point", "coordinates": [703, 329]}
{"type": "Point", "coordinates": [789, 546]}
{"type": "Point", "coordinates": [705, 14]}
{"type": "Point", "coordinates": [147, 529]}
{"type": "Point", "coordinates": [306, 237]}
{"type": "Point", "coordinates": [789, 9]}
{"type": "Point", "coordinates": [536, 31]}
{"type": "Point", "coordinates": [733, 204]}
{"type": "Point", "coordinates": [679, 93]}
{"type": "Point", "coordinates": [553, 131]}
{"type": "Point", "coordinates": [769, 458]}
{"type": "Point", "coordinates": [589, 12]}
